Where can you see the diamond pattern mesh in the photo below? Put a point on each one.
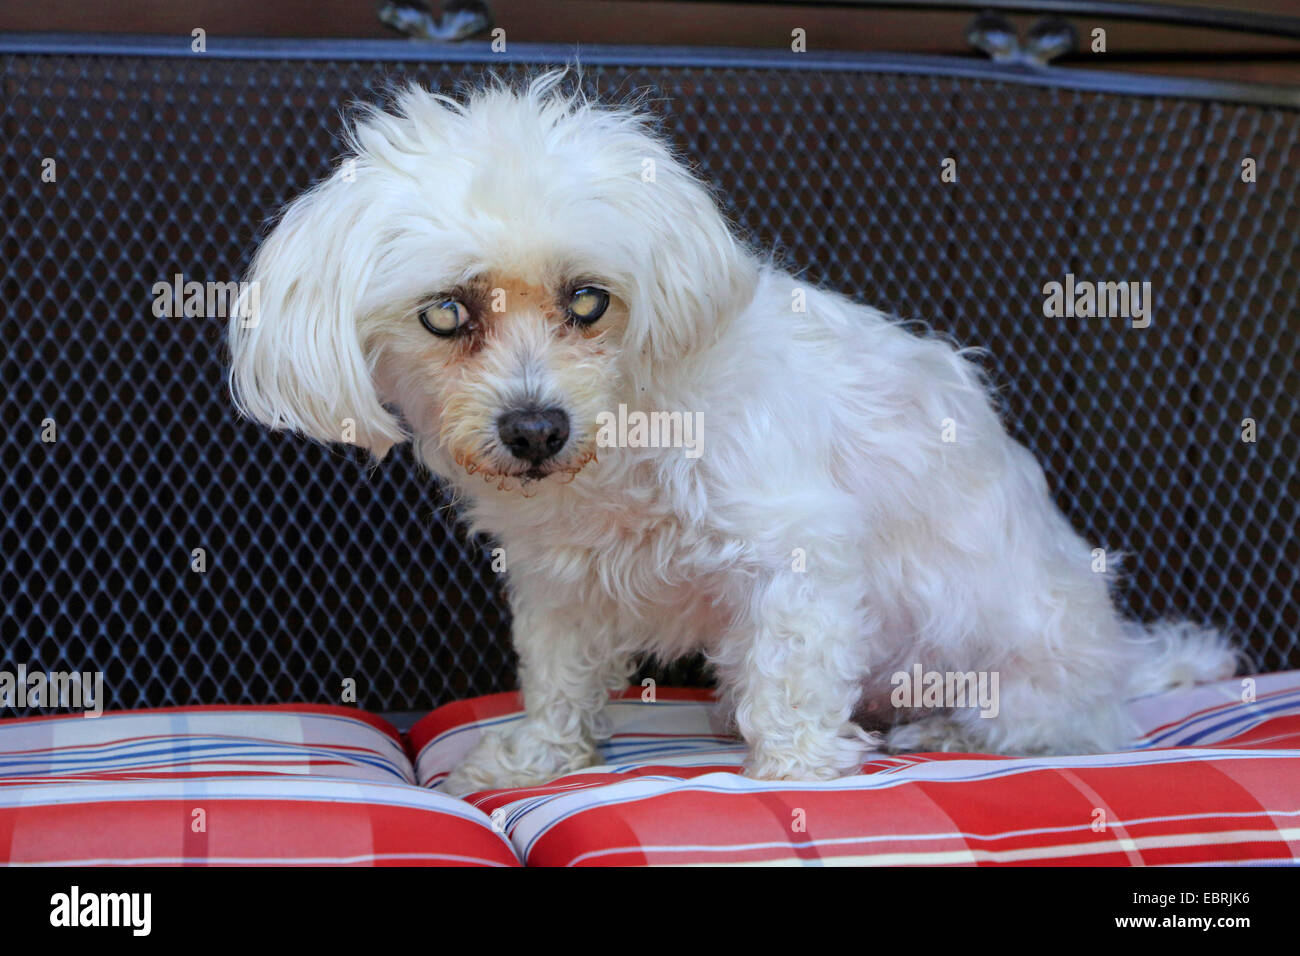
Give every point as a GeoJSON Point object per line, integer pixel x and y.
{"type": "Point", "coordinates": [319, 569]}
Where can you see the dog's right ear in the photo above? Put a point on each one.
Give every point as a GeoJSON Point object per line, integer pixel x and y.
{"type": "Point", "coordinates": [297, 358]}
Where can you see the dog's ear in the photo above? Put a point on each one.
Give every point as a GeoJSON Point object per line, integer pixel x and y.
{"type": "Point", "coordinates": [297, 357]}
{"type": "Point", "coordinates": [698, 271]}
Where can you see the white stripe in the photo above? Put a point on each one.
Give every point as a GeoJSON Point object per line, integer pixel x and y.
{"type": "Point", "coordinates": [313, 789]}
{"type": "Point", "coordinates": [163, 771]}
{"type": "Point", "coordinates": [969, 856]}
{"type": "Point", "coordinates": [1264, 861]}
{"type": "Point", "coordinates": [1125, 842]}
{"type": "Point", "coordinates": [260, 861]}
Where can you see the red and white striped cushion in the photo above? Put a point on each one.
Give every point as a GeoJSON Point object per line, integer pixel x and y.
{"type": "Point", "coordinates": [227, 785]}
{"type": "Point", "coordinates": [1212, 780]}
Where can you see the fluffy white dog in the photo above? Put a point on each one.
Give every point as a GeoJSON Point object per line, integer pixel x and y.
{"type": "Point", "coordinates": [504, 271]}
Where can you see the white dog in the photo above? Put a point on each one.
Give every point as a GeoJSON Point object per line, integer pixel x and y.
{"type": "Point", "coordinates": [506, 271]}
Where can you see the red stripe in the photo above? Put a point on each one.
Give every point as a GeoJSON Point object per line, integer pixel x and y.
{"type": "Point", "coordinates": [267, 829]}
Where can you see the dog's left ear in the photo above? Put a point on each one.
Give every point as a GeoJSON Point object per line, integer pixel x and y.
{"type": "Point", "coordinates": [297, 356]}
{"type": "Point", "coordinates": [698, 272]}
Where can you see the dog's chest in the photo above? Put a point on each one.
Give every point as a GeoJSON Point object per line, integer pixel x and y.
{"type": "Point", "coordinates": [662, 572]}
{"type": "Point", "coordinates": [649, 552]}
{"type": "Point", "coordinates": [667, 584]}
{"type": "Point", "coordinates": [631, 542]}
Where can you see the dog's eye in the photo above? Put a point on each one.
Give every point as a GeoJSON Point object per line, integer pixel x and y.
{"type": "Point", "coordinates": [445, 318]}
{"type": "Point", "coordinates": [587, 304]}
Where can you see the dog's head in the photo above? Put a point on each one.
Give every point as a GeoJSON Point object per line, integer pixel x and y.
{"type": "Point", "coordinates": [499, 270]}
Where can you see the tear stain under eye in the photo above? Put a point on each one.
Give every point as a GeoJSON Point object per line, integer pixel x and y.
{"type": "Point", "coordinates": [468, 343]}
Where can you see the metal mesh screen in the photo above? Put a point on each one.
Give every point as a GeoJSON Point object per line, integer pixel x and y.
{"type": "Point", "coordinates": [319, 570]}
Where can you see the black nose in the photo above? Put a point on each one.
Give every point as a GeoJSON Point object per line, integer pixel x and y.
{"type": "Point", "coordinates": [534, 434]}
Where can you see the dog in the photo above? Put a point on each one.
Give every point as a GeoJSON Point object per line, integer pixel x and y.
{"type": "Point", "coordinates": [494, 276]}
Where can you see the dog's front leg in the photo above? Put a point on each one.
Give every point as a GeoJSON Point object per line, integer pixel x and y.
{"type": "Point", "coordinates": [793, 670]}
{"type": "Point", "coordinates": [567, 665]}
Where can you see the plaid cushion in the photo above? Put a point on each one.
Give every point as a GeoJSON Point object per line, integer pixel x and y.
{"type": "Point", "coordinates": [1213, 779]}
{"type": "Point", "coordinates": [227, 785]}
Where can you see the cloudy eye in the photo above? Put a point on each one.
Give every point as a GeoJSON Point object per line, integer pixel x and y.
{"type": "Point", "coordinates": [587, 304]}
{"type": "Point", "coordinates": [445, 318]}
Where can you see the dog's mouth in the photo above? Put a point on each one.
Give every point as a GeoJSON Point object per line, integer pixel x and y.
{"type": "Point", "coordinates": [525, 479]}
{"type": "Point", "coordinates": [567, 469]}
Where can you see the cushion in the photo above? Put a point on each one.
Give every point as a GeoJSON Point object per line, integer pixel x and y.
{"type": "Point", "coordinates": [1214, 778]}
{"type": "Point", "coordinates": [292, 785]}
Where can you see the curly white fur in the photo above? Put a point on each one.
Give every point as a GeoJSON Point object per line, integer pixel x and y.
{"type": "Point", "coordinates": [827, 537]}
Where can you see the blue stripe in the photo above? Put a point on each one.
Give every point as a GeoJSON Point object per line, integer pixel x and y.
{"type": "Point", "coordinates": [182, 750]}
{"type": "Point", "coordinates": [302, 716]}
{"type": "Point", "coordinates": [1240, 713]}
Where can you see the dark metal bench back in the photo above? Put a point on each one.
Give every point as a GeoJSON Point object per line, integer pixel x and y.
{"type": "Point", "coordinates": [318, 570]}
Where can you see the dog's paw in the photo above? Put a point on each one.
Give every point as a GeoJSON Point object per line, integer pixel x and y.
{"type": "Point", "coordinates": [938, 733]}
{"type": "Point", "coordinates": [778, 767]}
{"type": "Point", "coordinates": [520, 757]}
{"type": "Point", "coordinates": [833, 757]}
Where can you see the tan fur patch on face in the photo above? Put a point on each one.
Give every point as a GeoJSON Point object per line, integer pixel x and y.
{"type": "Point", "coordinates": [518, 347]}
{"type": "Point", "coordinates": [549, 299]}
